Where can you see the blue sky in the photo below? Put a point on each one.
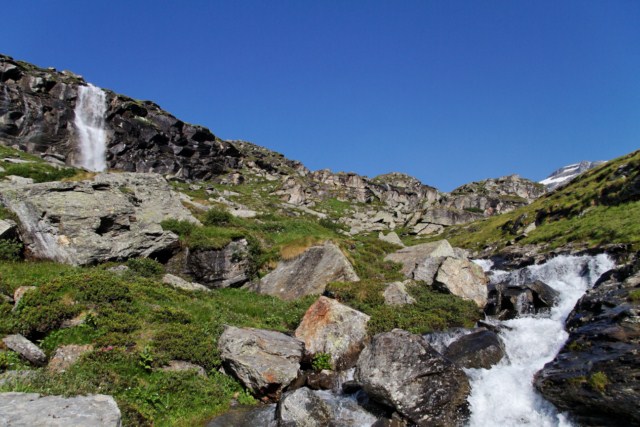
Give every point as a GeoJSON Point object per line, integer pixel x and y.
{"type": "Point", "coordinates": [447, 91]}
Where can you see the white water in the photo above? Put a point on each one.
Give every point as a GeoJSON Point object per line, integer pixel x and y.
{"type": "Point", "coordinates": [92, 136]}
{"type": "Point", "coordinates": [504, 395]}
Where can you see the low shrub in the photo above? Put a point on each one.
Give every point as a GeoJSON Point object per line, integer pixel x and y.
{"type": "Point", "coordinates": [145, 267]}
{"type": "Point", "coordinates": [217, 216]}
{"type": "Point", "coordinates": [10, 250]}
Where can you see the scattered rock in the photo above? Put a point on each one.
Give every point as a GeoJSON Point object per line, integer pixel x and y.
{"type": "Point", "coordinates": [264, 361]}
{"type": "Point", "coordinates": [31, 409]}
{"type": "Point", "coordinates": [333, 328]}
{"type": "Point", "coordinates": [596, 375]}
{"type": "Point", "coordinates": [401, 370]}
{"type": "Point", "coordinates": [392, 238]}
{"type": "Point", "coordinates": [307, 408]}
{"type": "Point", "coordinates": [180, 283]}
{"type": "Point", "coordinates": [481, 349]}
{"type": "Point", "coordinates": [67, 355]}
{"type": "Point", "coordinates": [464, 279]}
{"type": "Point", "coordinates": [308, 274]}
{"type": "Point", "coordinates": [510, 301]}
{"type": "Point", "coordinates": [25, 348]}
{"type": "Point", "coordinates": [118, 269]}
{"type": "Point", "coordinates": [396, 294]}
{"type": "Point", "coordinates": [181, 366]}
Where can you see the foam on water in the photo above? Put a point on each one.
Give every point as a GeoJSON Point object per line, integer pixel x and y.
{"type": "Point", "coordinates": [89, 121]}
{"type": "Point", "coordinates": [504, 395]}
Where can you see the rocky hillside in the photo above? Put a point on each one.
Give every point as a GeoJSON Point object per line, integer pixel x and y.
{"type": "Point", "coordinates": [37, 111]}
{"type": "Point", "coordinates": [566, 173]}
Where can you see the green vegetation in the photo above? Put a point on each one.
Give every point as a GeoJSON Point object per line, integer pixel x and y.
{"type": "Point", "coordinates": [599, 207]}
{"type": "Point", "coordinates": [321, 361]}
{"type": "Point", "coordinates": [31, 166]}
{"type": "Point", "coordinates": [10, 250]}
{"type": "Point", "coordinates": [634, 295]}
{"type": "Point", "coordinates": [598, 381]}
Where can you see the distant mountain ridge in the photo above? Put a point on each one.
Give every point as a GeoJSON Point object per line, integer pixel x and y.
{"type": "Point", "coordinates": [567, 173]}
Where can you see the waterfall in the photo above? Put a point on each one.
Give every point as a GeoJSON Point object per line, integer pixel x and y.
{"type": "Point", "coordinates": [92, 136]}
{"type": "Point", "coordinates": [504, 395]}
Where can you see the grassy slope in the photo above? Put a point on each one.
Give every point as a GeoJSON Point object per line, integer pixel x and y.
{"type": "Point", "coordinates": [599, 207]}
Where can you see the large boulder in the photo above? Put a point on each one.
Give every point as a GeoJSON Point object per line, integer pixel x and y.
{"type": "Point", "coordinates": [25, 348]}
{"type": "Point", "coordinates": [403, 371]}
{"type": "Point", "coordinates": [308, 274]}
{"type": "Point", "coordinates": [220, 268]}
{"type": "Point", "coordinates": [507, 301]}
{"type": "Point", "coordinates": [412, 256]}
{"type": "Point", "coordinates": [307, 408]}
{"type": "Point", "coordinates": [596, 375]}
{"type": "Point", "coordinates": [480, 349]}
{"type": "Point", "coordinates": [264, 361]}
{"type": "Point", "coordinates": [31, 409]}
{"type": "Point", "coordinates": [464, 279]}
{"type": "Point", "coordinates": [333, 328]}
{"type": "Point", "coordinates": [112, 217]}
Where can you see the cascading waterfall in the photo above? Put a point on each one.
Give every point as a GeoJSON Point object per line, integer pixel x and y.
{"type": "Point", "coordinates": [504, 395]}
{"type": "Point", "coordinates": [92, 136]}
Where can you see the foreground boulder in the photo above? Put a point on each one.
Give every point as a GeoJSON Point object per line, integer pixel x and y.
{"type": "Point", "coordinates": [31, 409]}
{"type": "Point", "coordinates": [464, 279]}
{"type": "Point", "coordinates": [480, 349]}
{"type": "Point", "coordinates": [403, 371]}
{"type": "Point", "coordinates": [264, 361]}
{"type": "Point", "coordinates": [112, 217]}
{"type": "Point", "coordinates": [507, 301]}
{"type": "Point", "coordinates": [333, 328]}
{"type": "Point", "coordinates": [596, 375]}
{"type": "Point", "coordinates": [307, 408]}
{"type": "Point", "coordinates": [25, 348]}
{"type": "Point", "coordinates": [308, 274]}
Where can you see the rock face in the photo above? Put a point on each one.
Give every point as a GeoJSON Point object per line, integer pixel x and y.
{"type": "Point", "coordinates": [333, 328]}
{"type": "Point", "coordinates": [222, 268]}
{"type": "Point", "coordinates": [264, 361]}
{"type": "Point", "coordinates": [401, 370]}
{"type": "Point", "coordinates": [510, 301]}
{"type": "Point", "coordinates": [26, 349]}
{"type": "Point", "coordinates": [308, 274]}
{"type": "Point", "coordinates": [112, 217]}
{"type": "Point", "coordinates": [306, 408]}
{"type": "Point", "coordinates": [481, 349]}
{"type": "Point", "coordinates": [596, 375]}
{"type": "Point", "coordinates": [31, 409]}
{"type": "Point", "coordinates": [464, 279]}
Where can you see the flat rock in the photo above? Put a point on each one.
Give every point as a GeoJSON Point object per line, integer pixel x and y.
{"type": "Point", "coordinates": [31, 409]}
{"type": "Point", "coordinates": [25, 348]}
{"type": "Point", "coordinates": [66, 355]}
{"type": "Point", "coordinates": [308, 274]}
{"type": "Point", "coordinates": [396, 294]}
{"type": "Point", "coordinates": [264, 361]}
{"type": "Point", "coordinates": [333, 328]}
{"type": "Point", "coordinates": [464, 279]}
{"type": "Point", "coordinates": [402, 370]}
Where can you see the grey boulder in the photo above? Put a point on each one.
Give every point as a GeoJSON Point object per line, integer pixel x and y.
{"type": "Point", "coordinates": [464, 279]}
{"type": "Point", "coordinates": [480, 349]}
{"type": "Point", "coordinates": [25, 348]}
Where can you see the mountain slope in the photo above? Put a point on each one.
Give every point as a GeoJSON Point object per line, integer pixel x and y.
{"type": "Point", "coordinates": [567, 173]}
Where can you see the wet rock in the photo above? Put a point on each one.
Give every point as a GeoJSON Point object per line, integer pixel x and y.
{"type": "Point", "coordinates": [180, 283]}
{"type": "Point", "coordinates": [262, 416]}
{"type": "Point", "coordinates": [510, 301]}
{"type": "Point", "coordinates": [264, 361]}
{"type": "Point", "coordinates": [335, 329]}
{"type": "Point", "coordinates": [481, 349]}
{"type": "Point", "coordinates": [308, 408]}
{"type": "Point", "coordinates": [323, 380]}
{"type": "Point", "coordinates": [596, 375]}
{"type": "Point", "coordinates": [25, 348]}
{"type": "Point", "coordinates": [220, 268]}
{"type": "Point", "coordinates": [464, 279]}
{"type": "Point", "coordinates": [32, 409]}
{"type": "Point", "coordinates": [66, 355]}
{"type": "Point", "coordinates": [183, 366]}
{"type": "Point", "coordinates": [112, 217]}
{"type": "Point", "coordinates": [396, 294]}
{"type": "Point", "coordinates": [308, 274]}
{"type": "Point", "coordinates": [401, 370]}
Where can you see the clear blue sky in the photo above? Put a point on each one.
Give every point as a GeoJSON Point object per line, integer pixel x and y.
{"type": "Point", "coordinates": [447, 91]}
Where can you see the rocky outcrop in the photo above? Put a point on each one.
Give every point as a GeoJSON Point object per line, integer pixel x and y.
{"type": "Point", "coordinates": [112, 217]}
{"type": "Point", "coordinates": [32, 409]}
{"type": "Point", "coordinates": [335, 329]}
{"type": "Point", "coordinates": [308, 274]}
{"type": "Point", "coordinates": [220, 268]}
{"type": "Point", "coordinates": [66, 355]}
{"type": "Point", "coordinates": [37, 115]}
{"type": "Point", "coordinates": [480, 349]}
{"type": "Point", "coordinates": [510, 301]}
{"type": "Point", "coordinates": [401, 370]}
{"type": "Point", "coordinates": [264, 361]}
{"type": "Point", "coordinates": [26, 349]}
{"type": "Point", "coordinates": [596, 375]}
{"type": "Point", "coordinates": [464, 279]}
{"type": "Point", "coordinates": [307, 408]}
